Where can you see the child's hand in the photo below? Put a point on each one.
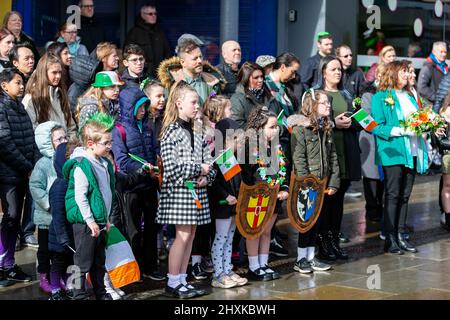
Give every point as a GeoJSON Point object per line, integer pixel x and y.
{"type": "Point", "coordinates": [332, 191]}
{"type": "Point", "coordinates": [152, 170]}
{"type": "Point", "coordinates": [108, 226]}
{"type": "Point", "coordinates": [95, 230]}
{"type": "Point", "coordinates": [231, 200]}
{"type": "Point", "coordinates": [283, 195]}
{"type": "Point", "coordinates": [205, 169]}
{"type": "Point", "coordinates": [202, 182]}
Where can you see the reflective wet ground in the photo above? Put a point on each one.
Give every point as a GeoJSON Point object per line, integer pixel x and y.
{"type": "Point", "coordinates": [368, 274]}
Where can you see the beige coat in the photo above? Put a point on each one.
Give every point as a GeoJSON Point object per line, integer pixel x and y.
{"type": "Point", "coordinates": [56, 113]}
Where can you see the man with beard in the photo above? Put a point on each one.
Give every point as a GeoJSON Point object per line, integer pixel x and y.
{"type": "Point", "coordinates": [190, 67]}
{"type": "Point", "coordinates": [231, 54]}
{"type": "Point", "coordinates": [308, 73]}
{"type": "Point", "coordinates": [150, 37]}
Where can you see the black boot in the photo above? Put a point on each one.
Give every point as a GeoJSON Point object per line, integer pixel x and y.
{"type": "Point", "coordinates": [338, 251]}
{"type": "Point", "coordinates": [391, 246]}
{"type": "Point", "coordinates": [325, 250]}
{"type": "Point", "coordinates": [405, 245]}
{"type": "Point", "coordinates": [445, 221]}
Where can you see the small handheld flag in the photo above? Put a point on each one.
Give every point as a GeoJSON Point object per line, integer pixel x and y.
{"type": "Point", "coordinates": [365, 120]}
{"type": "Point", "coordinates": [228, 164]}
{"type": "Point", "coordinates": [190, 185]}
{"type": "Point", "coordinates": [139, 159]}
{"type": "Point", "coordinates": [282, 121]}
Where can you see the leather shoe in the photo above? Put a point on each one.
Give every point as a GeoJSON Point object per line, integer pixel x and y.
{"type": "Point", "coordinates": [197, 291]}
{"type": "Point", "coordinates": [177, 293]}
{"type": "Point", "coordinates": [275, 275]}
{"type": "Point", "coordinates": [391, 246]}
{"type": "Point", "coordinates": [258, 275]}
{"type": "Point", "coordinates": [405, 245]}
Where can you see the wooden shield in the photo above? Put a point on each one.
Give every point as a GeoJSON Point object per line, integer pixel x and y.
{"type": "Point", "coordinates": [254, 208]}
{"type": "Point", "coordinates": [305, 201]}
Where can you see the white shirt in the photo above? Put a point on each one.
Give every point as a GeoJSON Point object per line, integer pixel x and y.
{"type": "Point", "coordinates": [407, 108]}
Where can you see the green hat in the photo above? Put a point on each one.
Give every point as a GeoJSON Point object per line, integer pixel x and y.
{"type": "Point", "coordinates": [107, 79]}
{"type": "Point", "coordinates": [323, 34]}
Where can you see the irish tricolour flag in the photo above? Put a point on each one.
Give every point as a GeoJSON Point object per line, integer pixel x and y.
{"type": "Point", "coordinates": [365, 120]}
{"type": "Point", "coordinates": [228, 164]}
{"type": "Point", "coordinates": [120, 262]}
{"type": "Point", "coordinates": [282, 121]}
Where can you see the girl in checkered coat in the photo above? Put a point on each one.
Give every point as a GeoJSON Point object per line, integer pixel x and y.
{"type": "Point", "coordinates": [187, 161]}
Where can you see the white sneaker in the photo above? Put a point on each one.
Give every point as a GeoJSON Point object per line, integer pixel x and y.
{"type": "Point", "coordinates": [120, 292]}
{"type": "Point", "coordinates": [113, 293]}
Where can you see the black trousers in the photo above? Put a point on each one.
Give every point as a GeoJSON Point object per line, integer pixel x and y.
{"type": "Point", "coordinates": [12, 197]}
{"type": "Point", "coordinates": [143, 207]}
{"type": "Point", "coordinates": [373, 193]}
{"type": "Point", "coordinates": [60, 262]}
{"type": "Point", "coordinates": [308, 239]}
{"type": "Point", "coordinates": [333, 210]}
{"type": "Point", "coordinates": [398, 184]}
{"type": "Point", "coordinates": [89, 258]}
{"type": "Point", "coordinates": [44, 256]}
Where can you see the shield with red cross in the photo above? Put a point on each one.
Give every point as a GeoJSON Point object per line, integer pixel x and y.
{"type": "Point", "coordinates": [255, 206]}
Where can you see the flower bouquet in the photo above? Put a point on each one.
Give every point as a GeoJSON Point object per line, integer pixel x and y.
{"type": "Point", "coordinates": [423, 121]}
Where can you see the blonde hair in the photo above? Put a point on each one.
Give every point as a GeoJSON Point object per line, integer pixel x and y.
{"type": "Point", "coordinates": [384, 51]}
{"type": "Point", "coordinates": [94, 93]}
{"type": "Point", "coordinates": [214, 108]}
{"type": "Point", "coordinates": [96, 126]}
{"type": "Point", "coordinates": [178, 91]}
{"type": "Point", "coordinates": [309, 110]}
{"type": "Point", "coordinates": [104, 49]}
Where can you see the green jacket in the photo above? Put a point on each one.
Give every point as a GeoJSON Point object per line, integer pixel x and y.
{"type": "Point", "coordinates": [94, 194]}
{"type": "Point", "coordinates": [391, 150]}
{"type": "Point", "coordinates": [313, 153]}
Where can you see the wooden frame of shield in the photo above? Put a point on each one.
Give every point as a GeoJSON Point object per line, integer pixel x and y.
{"type": "Point", "coordinates": [265, 197]}
{"type": "Point", "coordinates": [309, 181]}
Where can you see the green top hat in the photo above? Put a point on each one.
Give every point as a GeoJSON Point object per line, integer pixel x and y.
{"type": "Point", "coordinates": [107, 79]}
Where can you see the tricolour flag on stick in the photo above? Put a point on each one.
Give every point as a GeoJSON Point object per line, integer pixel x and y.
{"type": "Point", "coordinates": [190, 185]}
{"type": "Point", "coordinates": [282, 121]}
{"type": "Point", "coordinates": [120, 263]}
{"type": "Point", "coordinates": [365, 120]}
{"type": "Point", "coordinates": [228, 164]}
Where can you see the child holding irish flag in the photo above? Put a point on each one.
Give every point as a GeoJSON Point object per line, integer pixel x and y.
{"type": "Point", "coordinates": [187, 162]}
{"type": "Point", "coordinates": [223, 198]}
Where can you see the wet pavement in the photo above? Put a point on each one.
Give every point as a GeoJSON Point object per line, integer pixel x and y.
{"type": "Point", "coordinates": [368, 274]}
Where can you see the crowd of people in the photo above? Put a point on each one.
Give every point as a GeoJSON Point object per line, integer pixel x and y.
{"type": "Point", "coordinates": [71, 129]}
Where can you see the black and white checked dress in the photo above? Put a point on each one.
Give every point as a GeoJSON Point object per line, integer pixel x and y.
{"type": "Point", "coordinates": [181, 163]}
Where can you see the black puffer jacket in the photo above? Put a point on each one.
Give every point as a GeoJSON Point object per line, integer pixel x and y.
{"type": "Point", "coordinates": [153, 40]}
{"type": "Point", "coordinates": [82, 72]}
{"type": "Point", "coordinates": [19, 152]}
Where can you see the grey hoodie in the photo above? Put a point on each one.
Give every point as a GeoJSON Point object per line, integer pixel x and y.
{"type": "Point", "coordinates": [100, 168]}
